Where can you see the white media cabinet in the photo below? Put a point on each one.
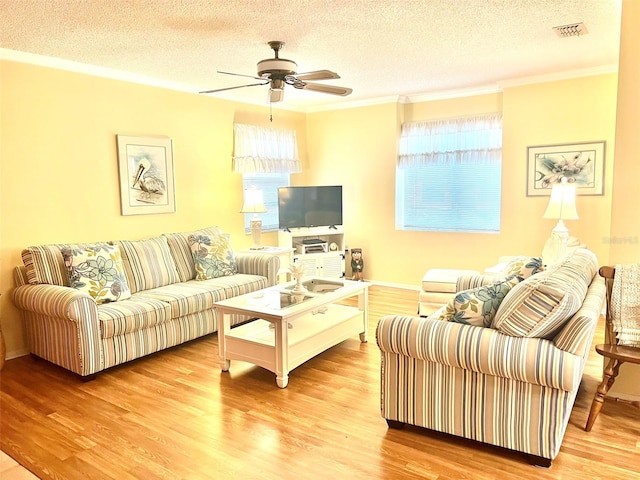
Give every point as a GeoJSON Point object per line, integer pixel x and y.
{"type": "Point", "coordinates": [313, 247]}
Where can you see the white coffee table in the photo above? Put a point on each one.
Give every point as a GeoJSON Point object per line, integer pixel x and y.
{"type": "Point", "coordinates": [291, 328]}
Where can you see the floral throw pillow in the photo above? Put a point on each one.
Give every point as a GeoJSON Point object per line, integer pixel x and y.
{"type": "Point", "coordinates": [524, 267]}
{"type": "Point", "coordinates": [213, 256]}
{"type": "Point", "coordinates": [97, 271]}
{"type": "Point", "coordinates": [478, 306]}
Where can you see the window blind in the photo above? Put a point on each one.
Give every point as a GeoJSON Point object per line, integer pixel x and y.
{"type": "Point", "coordinates": [269, 184]}
{"type": "Point", "coordinates": [448, 175]}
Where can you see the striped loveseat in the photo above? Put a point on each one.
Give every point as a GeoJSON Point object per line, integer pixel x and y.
{"type": "Point", "coordinates": [159, 293]}
{"type": "Point", "coordinates": [510, 384]}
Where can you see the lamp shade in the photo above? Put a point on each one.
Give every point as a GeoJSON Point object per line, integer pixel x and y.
{"type": "Point", "coordinates": [253, 201]}
{"type": "Point", "coordinates": [562, 202]}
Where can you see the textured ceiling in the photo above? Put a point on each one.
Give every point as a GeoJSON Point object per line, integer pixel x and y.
{"type": "Point", "coordinates": [381, 49]}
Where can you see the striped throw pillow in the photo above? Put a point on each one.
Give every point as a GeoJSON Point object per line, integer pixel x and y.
{"type": "Point", "coordinates": [541, 304]}
{"type": "Point", "coordinates": [148, 263]}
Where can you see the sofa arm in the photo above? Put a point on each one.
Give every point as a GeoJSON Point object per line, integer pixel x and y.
{"type": "Point", "coordinates": [263, 264]}
{"type": "Point", "coordinates": [483, 350]}
{"type": "Point", "coordinates": [55, 301]}
{"type": "Point", "coordinates": [62, 326]}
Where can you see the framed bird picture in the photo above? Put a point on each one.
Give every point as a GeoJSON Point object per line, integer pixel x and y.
{"type": "Point", "coordinates": [580, 163]}
{"type": "Point", "coordinates": [146, 175]}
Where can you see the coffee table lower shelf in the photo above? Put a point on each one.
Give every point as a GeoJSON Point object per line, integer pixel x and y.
{"type": "Point", "coordinates": [306, 337]}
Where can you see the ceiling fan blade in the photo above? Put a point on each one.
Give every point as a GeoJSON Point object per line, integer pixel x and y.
{"type": "Point", "coordinates": [263, 77]}
{"type": "Point", "coordinates": [317, 75]}
{"type": "Point", "coordinates": [276, 95]}
{"type": "Point", "coordinates": [319, 87]}
{"type": "Point", "coordinates": [233, 88]}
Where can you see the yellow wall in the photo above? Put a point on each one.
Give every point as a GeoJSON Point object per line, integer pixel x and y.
{"type": "Point", "coordinates": [59, 168]}
{"type": "Point", "coordinates": [359, 145]}
{"type": "Point", "coordinates": [356, 147]}
{"type": "Point", "coordinates": [625, 214]}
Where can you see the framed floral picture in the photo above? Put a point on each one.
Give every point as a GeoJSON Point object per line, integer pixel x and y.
{"type": "Point", "coordinates": [146, 175]}
{"type": "Point", "coordinates": [581, 163]}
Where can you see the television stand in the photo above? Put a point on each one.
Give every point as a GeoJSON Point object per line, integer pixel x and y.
{"type": "Point", "coordinates": [320, 249]}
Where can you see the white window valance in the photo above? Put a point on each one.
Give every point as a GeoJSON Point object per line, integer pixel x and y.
{"type": "Point", "coordinates": [265, 150]}
{"type": "Point", "coordinates": [451, 141]}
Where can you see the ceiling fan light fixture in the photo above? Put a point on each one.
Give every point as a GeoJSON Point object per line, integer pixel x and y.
{"type": "Point", "coordinates": [275, 95]}
{"type": "Point", "coordinates": [280, 66]}
{"type": "Point", "coordinates": [277, 84]}
{"type": "Point", "coordinates": [278, 72]}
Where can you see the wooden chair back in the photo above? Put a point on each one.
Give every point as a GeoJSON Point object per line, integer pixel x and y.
{"type": "Point", "coordinates": [615, 354]}
{"type": "Point", "coordinates": [608, 273]}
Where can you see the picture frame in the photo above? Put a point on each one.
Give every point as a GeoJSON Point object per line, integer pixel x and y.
{"type": "Point", "coordinates": [582, 164]}
{"type": "Point", "coordinates": [146, 174]}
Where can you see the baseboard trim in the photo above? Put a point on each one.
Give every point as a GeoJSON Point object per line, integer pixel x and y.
{"type": "Point", "coordinates": [624, 398]}
{"type": "Point", "coordinates": [404, 286]}
{"type": "Point", "coordinates": [17, 353]}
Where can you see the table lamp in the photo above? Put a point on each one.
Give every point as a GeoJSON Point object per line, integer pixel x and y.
{"type": "Point", "coordinates": [254, 203]}
{"type": "Point", "coordinates": [562, 206]}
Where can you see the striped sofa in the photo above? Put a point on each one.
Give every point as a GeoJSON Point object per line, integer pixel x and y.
{"type": "Point", "coordinates": [512, 384]}
{"type": "Point", "coordinates": [165, 305]}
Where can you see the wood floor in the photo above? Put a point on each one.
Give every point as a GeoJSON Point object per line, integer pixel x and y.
{"type": "Point", "coordinates": [176, 415]}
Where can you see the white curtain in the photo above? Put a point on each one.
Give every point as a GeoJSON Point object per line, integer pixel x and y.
{"type": "Point", "coordinates": [265, 150]}
{"type": "Point", "coordinates": [453, 141]}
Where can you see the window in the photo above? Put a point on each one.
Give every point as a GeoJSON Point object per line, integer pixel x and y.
{"type": "Point", "coordinates": [269, 184]}
{"type": "Point", "coordinates": [265, 150]}
{"type": "Point", "coordinates": [265, 157]}
{"type": "Point", "coordinates": [448, 176]}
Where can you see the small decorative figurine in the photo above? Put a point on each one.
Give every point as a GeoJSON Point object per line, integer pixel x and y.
{"type": "Point", "coordinates": [357, 264]}
{"type": "Point", "coordinates": [297, 271]}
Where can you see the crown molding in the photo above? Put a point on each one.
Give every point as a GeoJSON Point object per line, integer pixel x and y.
{"type": "Point", "coordinates": [559, 76]}
{"type": "Point", "coordinates": [473, 91]}
{"type": "Point", "coordinates": [356, 103]}
{"type": "Point", "coordinates": [77, 67]}
{"type": "Point", "coordinates": [61, 64]}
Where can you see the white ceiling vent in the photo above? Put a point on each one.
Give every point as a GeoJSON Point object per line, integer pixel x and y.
{"type": "Point", "coordinates": [572, 30]}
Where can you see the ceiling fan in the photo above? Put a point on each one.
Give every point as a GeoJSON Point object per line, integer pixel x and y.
{"type": "Point", "coordinates": [276, 72]}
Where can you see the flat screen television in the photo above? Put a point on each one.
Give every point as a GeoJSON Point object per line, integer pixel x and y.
{"type": "Point", "coordinates": [319, 206]}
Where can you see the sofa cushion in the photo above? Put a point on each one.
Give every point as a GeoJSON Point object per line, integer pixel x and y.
{"type": "Point", "coordinates": [478, 306]}
{"type": "Point", "coordinates": [213, 256]}
{"type": "Point", "coordinates": [239, 284]}
{"type": "Point", "coordinates": [541, 304]}
{"type": "Point", "coordinates": [181, 251]}
{"type": "Point", "coordinates": [189, 297]}
{"type": "Point", "coordinates": [97, 271]}
{"type": "Point", "coordinates": [148, 263]}
{"type": "Point", "coordinates": [577, 334]}
{"type": "Point", "coordinates": [136, 313]}
{"type": "Point", "coordinates": [44, 263]}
